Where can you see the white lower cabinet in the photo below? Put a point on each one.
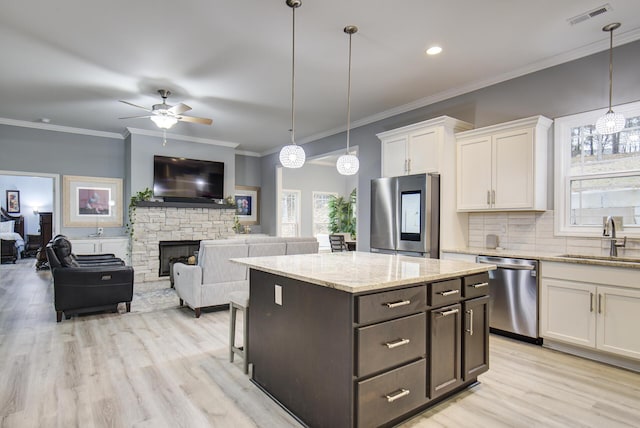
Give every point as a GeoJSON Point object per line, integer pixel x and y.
{"type": "Point", "coordinates": [567, 312]}
{"type": "Point", "coordinates": [591, 306]}
{"type": "Point", "coordinates": [617, 321]}
{"type": "Point", "coordinates": [117, 245]}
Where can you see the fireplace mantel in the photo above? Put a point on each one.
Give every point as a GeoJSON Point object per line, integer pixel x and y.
{"type": "Point", "coordinates": [210, 205]}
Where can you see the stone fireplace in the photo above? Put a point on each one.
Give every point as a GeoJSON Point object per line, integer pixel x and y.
{"type": "Point", "coordinates": [173, 221]}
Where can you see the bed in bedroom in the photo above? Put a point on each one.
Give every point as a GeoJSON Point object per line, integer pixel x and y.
{"type": "Point", "coordinates": [11, 236]}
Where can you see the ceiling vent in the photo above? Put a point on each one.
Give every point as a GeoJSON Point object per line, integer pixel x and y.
{"type": "Point", "coordinates": [590, 14]}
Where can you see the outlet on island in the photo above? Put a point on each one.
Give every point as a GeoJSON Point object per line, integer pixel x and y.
{"type": "Point", "coordinates": [278, 294]}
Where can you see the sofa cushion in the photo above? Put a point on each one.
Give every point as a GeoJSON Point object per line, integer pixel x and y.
{"type": "Point", "coordinates": [216, 267]}
{"type": "Point", "coordinates": [267, 249]}
{"type": "Point", "coordinates": [302, 246]}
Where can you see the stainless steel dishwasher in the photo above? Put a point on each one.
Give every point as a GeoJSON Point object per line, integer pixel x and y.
{"type": "Point", "coordinates": [513, 305]}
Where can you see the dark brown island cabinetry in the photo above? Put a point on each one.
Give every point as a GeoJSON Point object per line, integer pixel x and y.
{"type": "Point", "coordinates": [340, 359]}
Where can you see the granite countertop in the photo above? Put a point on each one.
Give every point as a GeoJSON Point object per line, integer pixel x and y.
{"type": "Point", "coordinates": [356, 272]}
{"type": "Point", "coordinates": [599, 260]}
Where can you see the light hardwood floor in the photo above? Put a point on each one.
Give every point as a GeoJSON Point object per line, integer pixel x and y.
{"type": "Point", "coordinates": [168, 369]}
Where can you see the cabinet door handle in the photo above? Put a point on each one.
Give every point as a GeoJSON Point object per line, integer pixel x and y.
{"type": "Point", "coordinates": [488, 197]}
{"type": "Point", "coordinates": [448, 292]}
{"type": "Point", "coordinates": [479, 285]}
{"type": "Point", "coordinates": [397, 304]}
{"type": "Point", "coordinates": [599, 303]}
{"type": "Point", "coordinates": [447, 313]}
{"type": "Point", "coordinates": [493, 197]}
{"type": "Point", "coordinates": [408, 165]}
{"type": "Point", "coordinates": [590, 302]}
{"type": "Point", "coordinates": [397, 395]}
{"type": "Point", "coordinates": [470, 331]}
{"type": "Point", "coordinates": [396, 343]}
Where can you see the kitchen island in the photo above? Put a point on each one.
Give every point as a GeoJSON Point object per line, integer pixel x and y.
{"type": "Point", "coordinates": [360, 339]}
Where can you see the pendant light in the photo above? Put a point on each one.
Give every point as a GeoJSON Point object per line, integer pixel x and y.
{"type": "Point", "coordinates": [611, 122]}
{"type": "Point", "coordinates": [348, 164]}
{"type": "Point", "coordinates": [292, 155]}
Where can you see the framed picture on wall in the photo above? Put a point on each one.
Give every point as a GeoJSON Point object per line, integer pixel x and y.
{"type": "Point", "coordinates": [92, 201]}
{"type": "Point", "coordinates": [13, 201]}
{"type": "Point", "coordinates": [247, 200]}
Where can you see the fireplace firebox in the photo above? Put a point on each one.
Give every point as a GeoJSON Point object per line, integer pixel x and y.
{"type": "Point", "coordinates": [173, 251]}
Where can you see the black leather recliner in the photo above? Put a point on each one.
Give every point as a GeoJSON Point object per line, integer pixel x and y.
{"type": "Point", "coordinates": [81, 287]}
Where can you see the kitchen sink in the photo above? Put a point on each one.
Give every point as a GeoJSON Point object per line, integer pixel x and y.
{"type": "Point", "coordinates": [602, 258]}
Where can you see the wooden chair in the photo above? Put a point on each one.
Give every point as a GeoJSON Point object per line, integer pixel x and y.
{"type": "Point", "coordinates": [337, 243]}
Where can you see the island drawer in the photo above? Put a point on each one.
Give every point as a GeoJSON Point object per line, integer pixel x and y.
{"type": "Point", "coordinates": [475, 285]}
{"type": "Point", "coordinates": [389, 395]}
{"type": "Point", "coordinates": [444, 292]}
{"type": "Point", "coordinates": [391, 343]}
{"type": "Point", "coordinates": [390, 304]}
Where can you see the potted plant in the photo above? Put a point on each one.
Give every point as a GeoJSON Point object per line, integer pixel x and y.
{"type": "Point", "coordinates": [342, 214]}
{"type": "Point", "coordinates": [143, 195]}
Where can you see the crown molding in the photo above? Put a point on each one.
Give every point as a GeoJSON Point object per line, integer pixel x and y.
{"type": "Point", "coordinates": [160, 134]}
{"type": "Point", "coordinates": [248, 153]}
{"type": "Point", "coordinates": [59, 128]}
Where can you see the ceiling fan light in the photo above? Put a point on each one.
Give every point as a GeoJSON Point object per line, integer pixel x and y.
{"type": "Point", "coordinates": [164, 122]}
{"type": "Point", "coordinates": [292, 156]}
{"type": "Point", "coordinates": [610, 123]}
{"type": "Point", "coordinates": [348, 164]}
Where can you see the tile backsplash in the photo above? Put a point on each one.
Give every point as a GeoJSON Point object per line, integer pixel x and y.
{"type": "Point", "coordinates": [533, 231]}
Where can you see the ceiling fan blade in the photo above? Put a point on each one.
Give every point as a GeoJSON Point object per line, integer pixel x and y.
{"type": "Point", "coordinates": [135, 105]}
{"type": "Point", "coordinates": [200, 120]}
{"type": "Point", "coordinates": [134, 117]}
{"type": "Point", "coordinates": [179, 108]}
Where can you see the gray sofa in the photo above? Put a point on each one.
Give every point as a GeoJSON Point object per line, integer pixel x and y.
{"type": "Point", "coordinates": [210, 281]}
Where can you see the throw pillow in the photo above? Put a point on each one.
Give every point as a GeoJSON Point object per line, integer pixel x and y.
{"type": "Point", "coordinates": [7, 226]}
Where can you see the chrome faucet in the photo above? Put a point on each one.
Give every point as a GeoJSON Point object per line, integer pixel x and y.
{"type": "Point", "coordinates": [610, 230]}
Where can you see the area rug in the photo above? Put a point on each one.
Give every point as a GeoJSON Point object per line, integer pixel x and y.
{"type": "Point", "coordinates": [154, 296]}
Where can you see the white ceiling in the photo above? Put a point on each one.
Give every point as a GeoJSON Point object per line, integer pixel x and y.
{"type": "Point", "coordinates": [72, 60]}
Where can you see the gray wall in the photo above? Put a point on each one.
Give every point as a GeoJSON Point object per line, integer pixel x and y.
{"type": "Point", "coordinates": [248, 171]}
{"type": "Point", "coordinates": [52, 152]}
{"type": "Point", "coordinates": [309, 179]}
{"type": "Point", "coordinates": [574, 87]}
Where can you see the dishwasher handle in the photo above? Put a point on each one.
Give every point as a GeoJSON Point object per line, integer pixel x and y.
{"type": "Point", "coordinates": [508, 265]}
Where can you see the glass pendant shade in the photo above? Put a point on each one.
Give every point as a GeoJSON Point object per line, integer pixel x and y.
{"type": "Point", "coordinates": [348, 164]}
{"type": "Point", "coordinates": [164, 122]}
{"type": "Point", "coordinates": [292, 156]}
{"type": "Point", "coordinates": [610, 123]}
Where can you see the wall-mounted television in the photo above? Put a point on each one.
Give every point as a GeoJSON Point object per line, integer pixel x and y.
{"type": "Point", "coordinates": [176, 178]}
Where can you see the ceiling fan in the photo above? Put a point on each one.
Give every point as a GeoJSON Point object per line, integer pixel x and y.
{"type": "Point", "coordinates": [165, 115]}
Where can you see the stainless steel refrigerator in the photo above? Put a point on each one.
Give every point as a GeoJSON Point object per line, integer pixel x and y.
{"type": "Point", "coordinates": [405, 215]}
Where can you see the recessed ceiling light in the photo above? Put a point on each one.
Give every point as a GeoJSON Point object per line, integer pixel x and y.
{"type": "Point", "coordinates": [434, 50]}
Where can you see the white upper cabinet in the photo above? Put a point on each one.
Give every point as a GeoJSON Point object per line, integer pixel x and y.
{"type": "Point", "coordinates": [503, 167]}
{"type": "Point", "coordinates": [418, 148]}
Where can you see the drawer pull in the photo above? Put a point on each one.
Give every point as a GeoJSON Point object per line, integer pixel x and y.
{"type": "Point", "coordinates": [482, 284]}
{"type": "Point", "coordinates": [449, 312]}
{"type": "Point", "coordinates": [397, 304]}
{"type": "Point", "coordinates": [449, 292]}
{"type": "Point", "coordinates": [396, 343]}
{"type": "Point", "coordinates": [397, 395]}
